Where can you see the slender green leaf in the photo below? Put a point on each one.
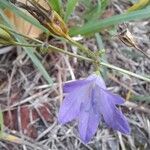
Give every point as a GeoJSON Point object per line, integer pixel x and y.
{"type": "Point", "coordinates": [56, 5]}
{"type": "Point", "coordinates": [91, 27]}
{"type": "Point", "coordinates": [94, 12]}
{"type": "Point", "coordinates": [86, 3]}
{"type": "Point", "coordinates": [70, 8]}
{"type": "Point", "coordinates": [1, 123]}
{"type": "Point", "coordinates": [100, 44]}
{"type": "Point", "coordinates": [141, 98]}
{"type": "Point", "coordinates": [19, 12]}
{"type": "Point", "coordinates": [29, 51]}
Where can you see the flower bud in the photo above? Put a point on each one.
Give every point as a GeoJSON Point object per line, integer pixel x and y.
{"type": "Point", "coordinates": [57, 25]}
{"type": "Point", "coordinates": [5, 37]}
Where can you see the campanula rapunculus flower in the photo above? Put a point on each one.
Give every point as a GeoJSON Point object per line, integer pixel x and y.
{"type": "Point", "coordinates": [88, 101]}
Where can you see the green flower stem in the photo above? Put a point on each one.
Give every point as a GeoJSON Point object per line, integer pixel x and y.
{"type": "Point", "coordinates": [25, 45]}
{"type": "Point", "coordinates": [55, 49]}
{"type": "Point", "coordinates": [52, 48]}
{"type": "Point", "coordinates": [125, 71]}
{"type": "Point", "coordinates": [6, 43]}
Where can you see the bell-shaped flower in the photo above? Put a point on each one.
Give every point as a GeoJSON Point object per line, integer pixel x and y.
{"type": "Point", "coordinates": [88, 101]}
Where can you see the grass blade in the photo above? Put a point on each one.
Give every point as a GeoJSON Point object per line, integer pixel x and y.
{"type": "Point", "coordinates": [56, 5]}
{"type": "Point", "coordinates": [100, 44]}
{"type": "Point", "coordinates": [94, 12]}
{"type": "Point", "coordinates": [141, 98]}
{"type": "Point", "coordinates": [69, 8]}
{"type": "Point", "coordinates": [1, 124]}
{"type": "Point", "coordinates": [91, 27]}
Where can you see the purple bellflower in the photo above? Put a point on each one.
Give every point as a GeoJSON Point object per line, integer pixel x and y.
{"type": "Point", "coordinates": [87, 101]}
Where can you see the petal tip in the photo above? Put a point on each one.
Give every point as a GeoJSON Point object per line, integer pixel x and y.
{"type": "Point", "coordinates": [85, 139]}
{"type": "Point", "coordinates": [61, 119]}
{"type": "Point", "coordinates": [127, 131]}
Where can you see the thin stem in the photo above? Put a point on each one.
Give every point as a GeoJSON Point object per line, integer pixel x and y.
{"type": "Point", "coordinates": [142, 52]}
{"type": "Point", "coordinates": [125, 71]}
{"type": "Point", "coordinates": [55, 49]}
{"type": "Point", "coordinates": [69, 53]}
{"type": "Point", "coordinates": [26, 45]}
{"type": "Point", "coordinates": [19, 44]}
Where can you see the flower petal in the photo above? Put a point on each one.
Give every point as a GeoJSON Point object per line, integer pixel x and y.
{"type": "Point", "coordinates": [70, 86]}
{"type": "Point", "coordinates": [116, 120]}
{"type": "Point", "coordinates": [112, 116]}
{"type": "Point", "coordinates": [71, 104]}
{"type": "Point", "coordinates": [88, 124]}
{"type": "Point", "coordinates": [115, 99]}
